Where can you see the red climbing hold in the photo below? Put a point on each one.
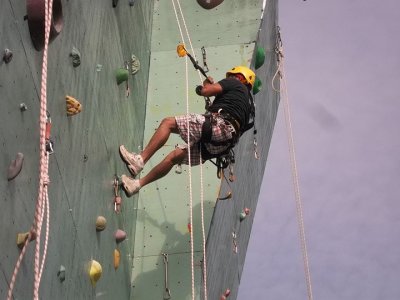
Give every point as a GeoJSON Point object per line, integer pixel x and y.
{"type": "Point", "coordinates": [209, 4]}
{"type": "Point", "coordinates": [36, 19]}
{"type": "Point", "coordinates": [15, 167]}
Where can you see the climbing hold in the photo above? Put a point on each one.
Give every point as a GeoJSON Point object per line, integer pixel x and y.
{"type": "Point", "coordinates": [135, 65]}
{"type": "Point", "coordinates": [120, 236]}
{"type": "Point", "coordinates": [260, 57]}
{"type": "Point", "coordinates": [15, 166]}
{"type": "Point", "coordinates": [101, 223]}
{"type": "Point", "coordinates": [131, 2]}
{"type": "Point", "coordinates": [114, 3]}
{"type": "Point", "coordinates": [61, 273]}
{"type": "Point", "coordinates": [95, 271]}
{"type": "Point", "coordinates": [257, 86]}
{"type": "Point", "coordinates": [209, 4]}
{"type": "Point", "coordinates": [244, 214]}
{"type": "Point", "coordinates": [76, 57]}
{"type": "Point", "coordinates": [180, 49]}
{"type": "Point", "coordinates": [189, 226]}
{"type": "Point", "coordinates": [122, 75]}
{"type": "Point", "coordinates": [73, 106]}
{"type": "Point", "coordinates": [99, 67]}
{"type": "Point", "coordinates": [36, 21]}
{"type": "Point", "coordinates": [178, 169]}
{"type": "Point", "coordinates": [23, 107]}
{"type": "Point", "coordinates": [7, 56]}
{"type": "Point", "coordinates": [117, 258]}
{"type": "Point", "coordinates": [225, 294]}
{"type": "Point", "coordinates": [22, 237]}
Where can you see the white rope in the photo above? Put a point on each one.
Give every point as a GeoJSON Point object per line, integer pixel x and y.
{"type": "Point", "coordinates": [295, 177]}
{"type": "Point", "coordinates": [189, 156]}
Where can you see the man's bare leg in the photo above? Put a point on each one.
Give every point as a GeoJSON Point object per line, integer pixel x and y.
{"type": "Point", "coordinates": [159, 138]}
{"type": "Point", "coordinates": [163, 168]}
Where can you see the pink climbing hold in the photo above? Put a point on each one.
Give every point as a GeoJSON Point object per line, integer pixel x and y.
{"type": "Point", "coordinates": [120, 236]}
{"type": "Point", "coordinates": [15, 167]}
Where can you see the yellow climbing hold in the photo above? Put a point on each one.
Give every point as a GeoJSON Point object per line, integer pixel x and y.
{"type": "Point", "coordinates": [22, 237]}
{"type": "Point", "coordinates": [95, 271]}
{"type": "Point", "coordinates": [117, 258]}
{"type": "Point", "coordinates": [73, 106]}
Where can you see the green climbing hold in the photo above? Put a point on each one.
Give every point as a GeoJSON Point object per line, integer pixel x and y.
{"type": "Point", "coordinates": [257, 86]}
{"type": "Point", "coordinates": [260, 57]}
{"type": "Point", "coordinates": [121, 75]}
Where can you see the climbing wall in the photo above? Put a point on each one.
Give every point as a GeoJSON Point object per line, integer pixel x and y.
{"type": "Point", "coordinates": [155, 257]}
{"type": "Point", "coordinates": [225, 264]}
{"type": "Point", "coordinates": [228, 33]}
{"type": "Point", "coordinates": [85, 158]}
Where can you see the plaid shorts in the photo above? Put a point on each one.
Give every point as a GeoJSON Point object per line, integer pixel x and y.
{"type": "Point", "coordinates": [220, 132]}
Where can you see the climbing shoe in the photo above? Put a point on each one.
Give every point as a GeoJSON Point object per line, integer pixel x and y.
{"type": "Point", "coordinates": [134, 162]}
{"type": "Point", "coordinates": [130, 186]}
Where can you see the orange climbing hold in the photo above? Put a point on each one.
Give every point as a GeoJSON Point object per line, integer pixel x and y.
{"type": "Point", "coordinates": [73, 106]}
{"type": "Point", "coordinates": [117, 258]}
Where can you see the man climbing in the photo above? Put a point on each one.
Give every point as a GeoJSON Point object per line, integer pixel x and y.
{"type": "Point", "coordinates": [213, 133]}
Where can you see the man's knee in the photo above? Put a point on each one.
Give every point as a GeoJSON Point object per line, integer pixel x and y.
{"type": "Point", "coordinates": [168, 122]}
{"type": "Point", "coordinates": [177, 155]}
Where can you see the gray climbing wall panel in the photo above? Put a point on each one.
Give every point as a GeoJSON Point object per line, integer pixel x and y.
{"type": "Point", "coordinates": [224, 265]}
{"type": "Point", "coordinates": [86, 157]}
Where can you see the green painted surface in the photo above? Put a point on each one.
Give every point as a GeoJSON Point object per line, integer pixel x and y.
{"type": "Point", "coordinates": [80, 189]}
{"type": "Point", "coordinates": [228, 34]}
{"type": "Point", "coordinates": [86, 158]}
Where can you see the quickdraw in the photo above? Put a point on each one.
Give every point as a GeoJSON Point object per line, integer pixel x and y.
{"type": "Point", "coordinates": [117, 197]}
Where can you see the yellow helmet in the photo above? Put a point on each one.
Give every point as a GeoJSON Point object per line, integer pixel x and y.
{"type": "Point", "coordinates": [248, 74]}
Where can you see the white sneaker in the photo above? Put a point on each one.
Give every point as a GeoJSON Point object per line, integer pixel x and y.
{"type": "Point", "coordinates": [131, 186]}
{"type": "Point", "coordinates": [134, 162]}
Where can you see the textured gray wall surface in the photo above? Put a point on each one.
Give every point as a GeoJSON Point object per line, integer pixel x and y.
{"type": "Point", "coordinates": [224, 266]}
{"type": "Point", "coordinates": [86, 157]}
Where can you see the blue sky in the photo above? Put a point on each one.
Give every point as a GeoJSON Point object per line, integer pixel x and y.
{"type": "Point", "coordinates": [342, 68]}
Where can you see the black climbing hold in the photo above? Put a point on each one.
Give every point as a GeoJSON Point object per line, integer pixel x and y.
{"type": "Point", "coordinates": [131, 2]}
{"type": "Point", "coordinates": [15, 167]}
{"type": "Point", "coordinates": [23, 107]}
{"type": "Point", "coordinates": [114, 3]}
{"type": "Point", "coordinates": [61, 273]}
{"type": "Point", "coordinates": [7, 56]}
{"type": "Point", "coordinates": [76, 57]}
